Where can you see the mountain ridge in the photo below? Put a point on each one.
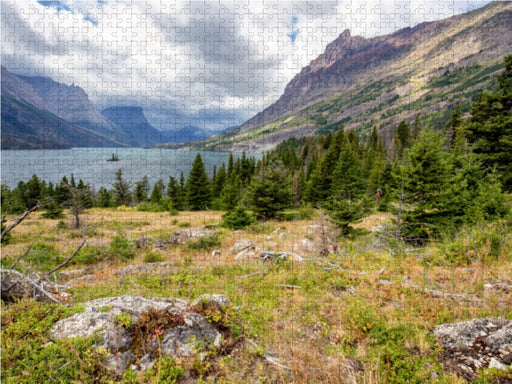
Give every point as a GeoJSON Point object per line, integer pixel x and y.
{"type": "Point", "coordinates": [380, 81]}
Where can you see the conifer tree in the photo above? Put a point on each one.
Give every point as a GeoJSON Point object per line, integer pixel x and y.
{"type": "Point", "coordinates": [198, 186]}
{"type": "Point", "coordinates": [270, 191]}
{"type": "Point", "coordinates": [348, 200]}
{"type": "Point", "coordinates": [175, 193]}
{"type": "Point", "coordinates": [402, 139]}
{"type": "Point", "coordinates": [490, 127]}
{"type": "Point", "coordinates": [157, 192]}
{"type": "Point", "coordinates": [104, 198]}
{"type": "Point", "coordinates": [142, 190]}
{"type": "Point", "coordinates": [121, 192]}
{"type": "Point", "coordinates": [427, 172]}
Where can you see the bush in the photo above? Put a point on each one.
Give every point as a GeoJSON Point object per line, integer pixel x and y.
{"type": "Point", "coordinates": [89, 255]}
{"type": "Point", "coordinates": [121, 247]}
{"type": "Point", "coordinates": [238, 218]}
{"type": "Point", "coordinates": [153, 257]}
{"type": "Point", "coordinates": [149, 206]}
{"type": "Point", "coordinates": [204, 242]}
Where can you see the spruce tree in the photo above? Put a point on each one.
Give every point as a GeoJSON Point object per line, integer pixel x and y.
{"type": "Point", "coordinates": [175, 193]}
{"type": "Point", "coordinates": [198, 186]}
{"type": "Point", "coordinates": [142, 190]}
{"type": "Point", "coordinates": [490, 127]}
{"type": "Point", "coordinates": [348, 201]}
{"type": "Point", "coordinates": [121, 191]}
{"type": "Point", "coordinates": [270, 191]}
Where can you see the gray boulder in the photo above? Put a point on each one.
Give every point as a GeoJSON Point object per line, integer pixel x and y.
{"type": "Point", "coordinates": [114, 320]}
{"type": "Point", "coordinates": [475, 344]}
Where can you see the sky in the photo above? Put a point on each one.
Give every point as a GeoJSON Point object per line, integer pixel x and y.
{"type": "Point", "coordinates": [212, 64]}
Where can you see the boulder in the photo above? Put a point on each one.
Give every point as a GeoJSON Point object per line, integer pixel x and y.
{"type": "Point", "coordinates": [475, 344]}
{"type": "Point", "coordinates": [242, 245]}
{"type": "Point", "coordinates": [244, 249]}
{"type": "Point", "coordinates": [159, 267]}
{"type": "Point", "coordinates": [115, 321]}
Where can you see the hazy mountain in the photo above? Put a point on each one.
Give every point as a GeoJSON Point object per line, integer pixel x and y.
{"type": "Point", "coordinates": [134, 125]}
{"type": "Point", "coordinates": [383, 80]}
{"type": "Point", "coordinates": [28, 124]}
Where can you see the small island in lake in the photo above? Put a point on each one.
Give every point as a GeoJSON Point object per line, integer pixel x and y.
{"type": "Point", "coordinates": [114, 157]}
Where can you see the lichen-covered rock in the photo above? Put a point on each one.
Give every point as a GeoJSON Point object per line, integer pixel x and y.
{"type": "Point", "coordinates": [242, 245]}
{"type": "Point", "coordinates": [475, 344]}
{"type": "Point", "coordinates": [114, 321]}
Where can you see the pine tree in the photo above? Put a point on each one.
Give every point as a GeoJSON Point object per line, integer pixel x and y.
{"type": "Point", "coordinates": [348, 201]}
{"type": "Point", "coordinates": [175, 193]}
{"type": "Point", "coordinates": [157, 193]}
{"type": "Point", "coordinates": [142, 190]}
{"type": "Point", "coordinates": [270, 191]}
{"type": "Point", "coordinates": [427, 172]}
{"type": "Point", "coordinates": [231, 193]}
{"type": "Point", "coordinates": [104, 199]}
{"type": "Point", "coordinates": [452, 126]}
{"type": "Point", "coordinates": [198, 186]}
{"type": "Point", "coordinates": [121, 191]}
{"type": "Point", "coordinates": [490, 127]}
{"type": "Point", "coordinates": [402, 139]}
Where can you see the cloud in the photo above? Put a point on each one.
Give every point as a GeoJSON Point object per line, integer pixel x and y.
{"type": "Point", "coordinates": [191, 62]}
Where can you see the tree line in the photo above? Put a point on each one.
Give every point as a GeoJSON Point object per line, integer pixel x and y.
{"type": "Point", "coordinates": [433, 181]}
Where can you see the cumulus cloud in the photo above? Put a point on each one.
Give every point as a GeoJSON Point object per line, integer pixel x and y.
{"type": "Point", "coordinates": [205, 63]}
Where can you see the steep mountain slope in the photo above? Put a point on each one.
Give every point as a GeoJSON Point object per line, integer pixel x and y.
{"type": "Point", "coordinates": [380, 81]}
{"type": "Point", "coordinates": [27, 124]}
{"type": "Point", "coordinates": [71, 103]}
{"type": "Point", "coordinates": [134, 125]}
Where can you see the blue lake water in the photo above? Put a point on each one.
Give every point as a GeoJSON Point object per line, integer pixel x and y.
{"type": "Point", "coordinates": [91, 165]}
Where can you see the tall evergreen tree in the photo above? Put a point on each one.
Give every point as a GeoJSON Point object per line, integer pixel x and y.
{"type": "Point", "coordinates": [348, 201]}
{"type": "Point", "coordinates": [121, 192]}
{"type": "Point", "coordinates": [198, 186]}
{"type": "Point", "coordinates": [142, 190]}
{"type": "Point", "coordinates": [490, 127]}
{"type": "Point", "coordinates": [270, 191]}
{"type": "Point", "coordinates": [176, 193]}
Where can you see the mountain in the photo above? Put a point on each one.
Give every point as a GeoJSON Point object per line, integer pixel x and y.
{"type": "Point", "coordinates": [381, 81]}
{"type": "Point", "coordinates": [71, 103]}
{"type": "Point", "coordinates": [28, 124]}
{"type": "Point", "coordinates": [134, 125]}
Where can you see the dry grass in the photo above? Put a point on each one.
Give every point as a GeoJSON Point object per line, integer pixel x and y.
{"type": "Point", "coordinates": [324, 331]}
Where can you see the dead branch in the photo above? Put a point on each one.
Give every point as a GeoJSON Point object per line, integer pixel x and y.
{"type": "Point", "coordinates": [25, 253]}
{"type": "Point", "coordinates": [23, 283]}
{"type": "Point", "coordinates": [77, 249]}
{"type": "Point", "coordinates": [19, 220]}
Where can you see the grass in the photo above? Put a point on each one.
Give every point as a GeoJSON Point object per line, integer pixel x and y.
{"type": "Point", "coordinates": [321, 322]}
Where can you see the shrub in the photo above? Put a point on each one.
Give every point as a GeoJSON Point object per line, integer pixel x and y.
{"type": "Point", "coordinates": [238, 218]}
{"type": "Point", "coordinates": [122, 247]}
{"type": "Point", "coordinates": [89, 255]}
{"type": "Point", "coordinates": [153, 257]}
{"type": "Point", "coordinates": [204, 242]}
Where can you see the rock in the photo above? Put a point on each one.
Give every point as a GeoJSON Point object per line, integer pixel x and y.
{"type": "Point", "coordinates": [500, 286]}
{"type": "Point", "coordinates": [471, 345]}
{"type": "Point", "coordinates": [142, 242]}
{"type": "Point", "coordinates": [114, 320]}
{"type": "Point", "coordinates": [377, 228]}
{"type": "Point", "coordinates": [145, 268]}
{"type": "Point", "coordinates": [307, 246]}
{"type": "Point", "coordinates": [220, 301]}
{"type": "Point", "coordinates": [182, 236]}
{"type": "Point", "coordinates": [244, 249]}
{"type": "Point", "coordinates": [279, 231]}
{"type": "Point", "coordinates": [493, 363]}
{"type": "Point", "coordinates": [242, 245]}
{"type": "Point", "coordinates": [279, 256]}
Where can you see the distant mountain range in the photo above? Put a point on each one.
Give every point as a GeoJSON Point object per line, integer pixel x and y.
{"type": "Point", "coordinates": [361, 83]}
{"type": "Point", "coordinates": [40, 113]}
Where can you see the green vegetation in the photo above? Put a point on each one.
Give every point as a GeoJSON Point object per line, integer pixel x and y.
{"type": "Point", "coordinates": [397, 236]}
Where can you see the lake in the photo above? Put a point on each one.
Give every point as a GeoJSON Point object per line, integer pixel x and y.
{"type": "Point", "coordinates": [91, 165]}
